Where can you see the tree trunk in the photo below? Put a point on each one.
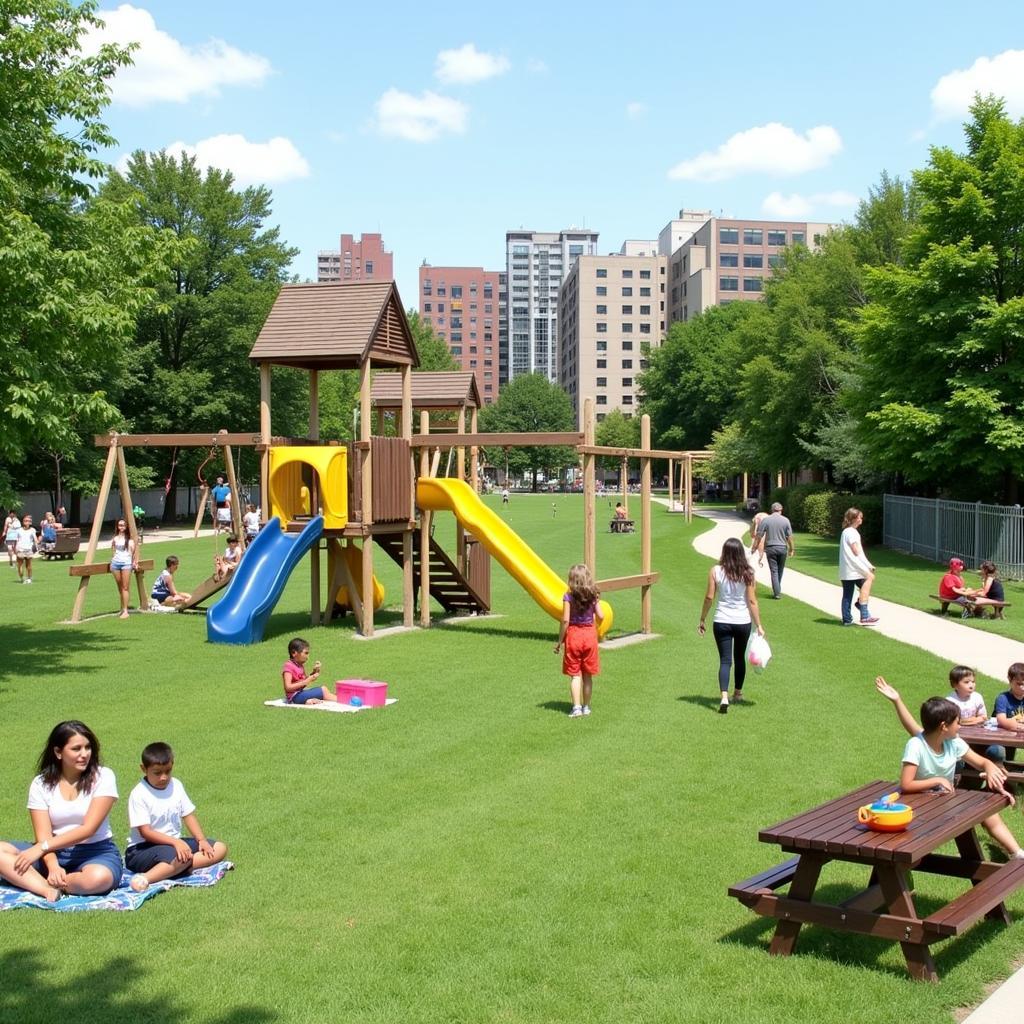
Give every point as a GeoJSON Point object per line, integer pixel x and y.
{"type": "Point", "coordinates": [75, 511]}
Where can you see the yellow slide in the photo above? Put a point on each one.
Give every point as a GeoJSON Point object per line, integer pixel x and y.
{"type": "Point", "coordinates": [519, 560]}
{"type": "Point", "coordinates": [353, 556]}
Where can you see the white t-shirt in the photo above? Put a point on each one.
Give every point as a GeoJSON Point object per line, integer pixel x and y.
{"type": "Point", "coordinates": [732, 599]}
{"type": "Point", "coordinates": [252, 522]}
{"type": "Point", "coordinates": [973, 706]}
{"type": "Point", "coordinates": [26, 540]}
{"type": "Point", "coordinates": [851, 565]}
{"type": "Point", "coordinates": [68, 814]}
{"type": "Point", "coordinates": [160, 809]}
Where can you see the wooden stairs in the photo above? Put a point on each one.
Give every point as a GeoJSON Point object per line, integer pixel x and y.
{"type": "Point", "coordinates": [448, 586]}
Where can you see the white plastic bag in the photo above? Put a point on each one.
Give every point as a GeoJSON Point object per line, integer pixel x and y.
{"type": "Point", "coordinates": [758, 652]}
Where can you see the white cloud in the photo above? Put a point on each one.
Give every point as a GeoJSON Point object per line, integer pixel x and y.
{"type": "Point", "coordinates": [252, 163]}
{"type": "Point", "coordinates": [467, 65]}
{"type": "Point", "coordinates": [165, 69]}
{"type": "Point", "coordinates": [420, 118]}
{"type": "Point", "coordinates": [768, 149]}
{"type": "Point", "coordinates": [799, 207]}
{"type": "Point", "coordinates": [1002, 75]}
{"type": "Point", "coordinates": [635, 110]}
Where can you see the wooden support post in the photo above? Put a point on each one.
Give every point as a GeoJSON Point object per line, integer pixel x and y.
{"type": "Point", "coordinates": [408, 593]}
{"type": "Point", "coordinates": [671, 488]}
{"type": "Point", "coordinates": [265, 436]}
{"type": "Point", "coordinates": [645, 524]}
{"type": "Point", "coordinates": [236, 498]}
{"type": "Point", "coordinates": [746, 489]}
{"type": "Point", "coordinates": [624, 483]}
{"type": "Point", "coordinates": [365, 427]}
{"type": "Point", "coordinates": [589, 491]}
{"type": "Point", "coordinates": [97, 526]}
{"type": "Point", "coordinates": [315, 606]}
{"type": "Point", "coordinates": [425, 531]}
{"type": "Point", "coordinates": [314, 405]}
{"type": "Point", "coordinates": [689, 488]}
{"type": "Point", "coordinates": [460, 474]}
{"type": "Point", "coordinates": [127, 512]}
{"type": "Point", "coordinates": [354, 600]}
{"type": "Point", "coordinates": [474, 455]}
{"type": "Point", "coordinates": [204, 497]}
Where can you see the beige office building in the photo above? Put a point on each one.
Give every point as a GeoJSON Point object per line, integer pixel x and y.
{"type": "Point", "coordinates": [611, 313]}
{"type": "Point", "coordinates": [727, 260]}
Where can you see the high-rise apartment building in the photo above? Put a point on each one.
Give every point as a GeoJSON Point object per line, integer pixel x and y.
{"type": "Point", "coordinates": [679, 231]}
{"type": "Point", "coordinates": [537, 263]}
{"type": "Point", "coordinates": [365, 260]}
{"type": "Point", "coordinates": [463, 306]}
{"type": "Point", "coordinates": [728, 259]}
{"type": "Point", "coordinates": [611, 313]}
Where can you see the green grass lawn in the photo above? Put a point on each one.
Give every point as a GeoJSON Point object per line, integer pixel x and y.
{"type": "Point", "coordinates": [470, 854]}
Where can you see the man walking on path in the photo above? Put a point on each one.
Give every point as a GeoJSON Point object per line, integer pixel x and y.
{"type": "Point", "coordinates": [775, 537]}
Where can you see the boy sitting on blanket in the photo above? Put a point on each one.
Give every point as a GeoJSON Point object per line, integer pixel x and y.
{"type": "Point", "coordinates": [156, 809]}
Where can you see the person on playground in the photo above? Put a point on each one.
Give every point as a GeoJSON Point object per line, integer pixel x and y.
{"type": "Point", "coordinates": [164, 592]}
{"type": "Point", "coordinates": [775, 542]}
{"type": "Point", "coordinates": [226, 564]}
{"type": "Point", "coordinates": [157, 807]}
{"type": "Point", "coordinates": [932, 752]}
{"type": "Point", "coordinates": [222, 497]}
{"type": "Point", "coordinates": [26, 548]}
{"type": "Point", "coordinates": [581, 611]}
{"type": "Point", "coordinates": [953, 589]}
{"type": "Point", "coordinates": [991, 592]}
{"type": "Point", "coordinates": [251, 522]}
{"type": "Point", "coordinates": [504, 495]}
{"type": "Point", "coordinates": [293, 675]}
{"type": "Point", "coordinates": [123, 560]}
{"type": "Point", "coordinates": [855, 571]}
{"type": "Point", "coordinates": [12, 527]}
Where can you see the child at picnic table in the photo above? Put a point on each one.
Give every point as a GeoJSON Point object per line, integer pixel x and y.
{"type": "Point", "coordinates": [990, 593]}
{"type": "Point", "coordinates": [953, 589]}
{"type": "Point", "coordinates": [1009, 711]}
{"type": "Point", "coordinates": [157, 808]}
{"type": "Point", "coordinates": [932, 752]}
{"type": "Point", "coordinates": [295, 680]}
{"type": "Point", "coordinates": [965, 696]}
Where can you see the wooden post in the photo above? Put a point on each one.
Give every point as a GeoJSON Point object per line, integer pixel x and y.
{"type": "Point", "coordinates": [408, 595]}
{"type": "Point", "coordinates": [460, 474]}
{"type": "Point", "coordinates": [746, 490]}
{"type": "Point", "coordinates": [354, 600]}
{"type": "Point", "coordinates": [236, 503]}
{"type": "Point", "coordinates": [589, 491]}
{"type": "Point", "coordinates": [624, 484]}
{"type": "Point", "coordinates": [314, 405]}
{"type": "Point", "coordinates": [671, 488]}
{"type": "Point", "coordinates": [264, 441]}
{"type": "Point", "coordinates": [474, 454]}
{"type": "Point", "coordinates": [365, 428]}
{"type": "Point", "coordinates": [129, 517]}
{"type": "Point", "coordinates": [689, 487]}
{"type": "Point", "coordinates": [97, 526]}
{"type": "Point", "coordinates": [645, 523]}
{"type": "Point", "coordinates": [204, 497]}
{"type": "Point", "coordinates": [425, 531]}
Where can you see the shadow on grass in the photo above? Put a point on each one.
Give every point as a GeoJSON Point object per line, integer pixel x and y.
{"type": "Point", "coordinates": [56, 650]}
{"type": "Point", "coordinates": [862, 950]}
{"type": "Point", "coordinates": [563, 707]}
{"type": "Point", "coordinates": [102, 993]}
{"type": "Point", "coordinates": [492, 630]}
{"type": "Point", "coordinates": [711, 703]}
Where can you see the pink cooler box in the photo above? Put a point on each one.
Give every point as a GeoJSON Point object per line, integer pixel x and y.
{"type": "Point", "coordinates": [372, 694]}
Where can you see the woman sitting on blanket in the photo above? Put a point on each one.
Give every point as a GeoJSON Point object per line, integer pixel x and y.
{"type": "Point", "coordinates": [69, 802]}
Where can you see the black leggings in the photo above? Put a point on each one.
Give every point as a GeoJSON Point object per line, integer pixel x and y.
{"type": "Point", "coordinates": [731, 638]}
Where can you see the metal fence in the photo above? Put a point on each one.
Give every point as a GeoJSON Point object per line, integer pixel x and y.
{"type": "Point", "coordinates": [938, 530]}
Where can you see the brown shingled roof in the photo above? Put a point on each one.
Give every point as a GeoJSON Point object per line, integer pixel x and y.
{"type": "Point", "coordinates": [335, 327]}
{"type": "Point", "coordinates": [431, 389]}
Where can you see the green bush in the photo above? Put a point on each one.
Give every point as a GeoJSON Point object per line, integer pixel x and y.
{"type": "Point", "coordinates": [792, 501]}
{"type": "Point", "coordinates": [823, 514]}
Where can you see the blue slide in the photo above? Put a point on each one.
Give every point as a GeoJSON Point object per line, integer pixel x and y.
{"type": "Point", "coordinates": [240, 616]}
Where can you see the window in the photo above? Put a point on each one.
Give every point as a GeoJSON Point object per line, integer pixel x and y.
{"type": "Point", "coordinates": [752, 284]}
{"type": "Point", "coordinates": [575, 250]}
{"type": "Point", "coordinates": [627, 399]}
{"type": "Point", "coordinates": [600, 417]}
{"type": "Point", "coordinates": [602, 382]}
{"type": "Point", "coordinates": [602, 272]}
{"type": "Point", "coordinates": [602, 364]}
{"type": "Point", "coordinates": [456, 350]}
{"type": "Point", "coordinates": [520, 250]}
{"type": "Point", "coordinates": [627, 292]}
{"type": "Point", "coordinates": [645, 310]}
{"type": "Point", "coordinates": [440, 307]}
{"type": "Point", "coordinates": [368, 267]}
{"type": "Point", "coordinates": [728, 259]}
{"type": "Point", "coordinates": [427, 287]}
{"type": "Point", "coordinates": [645, 328]}
{"type": "Point", "coordinates": [776, 237]}
{"type": "Point", "coordinates": [729, 236]}
{"type": "Point", "coordinates": [456, 335]}
{"type": "Point", "coordinates": [798, 238]}
{"type": "Point", "coordinates": [753, 260]}
{"type": "Point", "coordinates": [472, 364]}
{"type": "Point", "coordinates": [645, 275]}
{"type": "Point", "coordinates": [602, 399]}
{"type": "Point", "coordinates": [601, 310]}
{"type": "Point", "coordinates": [601, 327]}
{"type": "Point", "coordinates": [627, 364]}
{"type": "Point", "coordinates": [427, 307]}
{"type": "Point", "coordinates": [775, 261]}
{"type": "Point", "coordinates": [627, 382]}
{"type": "Point", "coordinates": [729, 284]}
{"type": "Point", "coordinates": [602, 346]}
{"type": "Point", "coordinates": [627, 346]}
{"type": "Point", "coordinates": [441, 290]}
{"type": "Point", "coordinates": [753, 236]}
{"type": "Point", "coordinates": [627, 273]}
{"type": "Point", "coordinates": [601, 290]}
{"type": "Point", "coordinates": [645, 293]}
{"type": "Point", "coordinates": [627, 310]}
{"type": "Point", "coordinates": [627, 328]}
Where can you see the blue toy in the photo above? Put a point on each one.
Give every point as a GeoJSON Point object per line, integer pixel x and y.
{"type": "Point", "coordinates": [356, 702]}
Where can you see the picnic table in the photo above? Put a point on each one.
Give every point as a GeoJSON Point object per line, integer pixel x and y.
{"type": "Point", "coordinates": [885, 908]}
{"type": "Point", "coordinates": [622, 525]}
{"type": "Point", "coordinates": [979, 739]}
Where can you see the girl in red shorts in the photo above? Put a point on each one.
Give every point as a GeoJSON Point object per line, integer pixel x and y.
{"type": "Point", "coordinates": [581, 611]}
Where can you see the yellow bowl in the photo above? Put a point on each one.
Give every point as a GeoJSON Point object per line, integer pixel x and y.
{"type": "Point", "coordinates": [892, 818]}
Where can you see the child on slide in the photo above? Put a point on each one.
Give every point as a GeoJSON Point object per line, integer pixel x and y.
{"type": "Point", "coordinates": [295, 680]}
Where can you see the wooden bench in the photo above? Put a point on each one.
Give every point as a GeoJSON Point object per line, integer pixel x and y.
{"type": "Point", "coordinates": [985, 898]}
{"type": "Point", "coordinates": [622, 526]}
{"type": "Point", "coordinates": [766, 882]}
{"type": "Point", "coordinates": [98, 568]}
{"type": "Point", "coordinates": [968, 606]}
{"type": "Point", "coordinates": [65, 546]}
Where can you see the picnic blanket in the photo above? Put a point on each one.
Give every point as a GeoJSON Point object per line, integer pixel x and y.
{"type": "Point", "coordinates": [122, 898]}
{"type": "Point", "coordinates": [327, 705]}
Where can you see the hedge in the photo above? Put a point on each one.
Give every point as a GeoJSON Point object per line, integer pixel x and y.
{"type": "Point", "coordinates": [792, 501]}
{"type": "Point", "coordinates": [824, 511]}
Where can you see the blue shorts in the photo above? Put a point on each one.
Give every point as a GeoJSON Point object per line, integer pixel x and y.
{"type": "Point", "coordinates": [316, 693]}
{"type": "Point", "coordinates": [119, 562]}
{"type": "Point", "coordinates": [143, 856]}
{"type": "Point", "coordinates": [74, 858]}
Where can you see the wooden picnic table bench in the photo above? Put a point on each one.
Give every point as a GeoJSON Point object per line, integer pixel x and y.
{"type": "Point", "coordinates": [979, 739]}
{"type": "Point", "coordinates": [622, 526]}
{"type": "Point", "coordinates": [885, 908]}
{"type": "Point", "coordinates": [970, 607]}
{"type": "Point", "coordinates": [66, 544]}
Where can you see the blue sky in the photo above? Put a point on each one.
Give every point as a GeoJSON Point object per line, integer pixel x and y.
{"type": "Point", "coordinates": [444, 131]}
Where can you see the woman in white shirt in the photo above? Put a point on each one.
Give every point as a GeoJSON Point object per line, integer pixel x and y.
{"type": "Point", "coordinates": [855, 570]}
{"type": "Point", "coordinates": [732, 581]}
{"type": "Point", "coordinates": [69, 802]}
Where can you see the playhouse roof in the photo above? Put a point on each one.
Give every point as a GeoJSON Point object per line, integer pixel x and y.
{"type": "Point", "coordinates": [431, 390]}
{"type": "Point", "coordinates": [336, 327]}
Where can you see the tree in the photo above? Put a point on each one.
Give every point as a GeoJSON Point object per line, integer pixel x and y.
{"type": "Point", "coordinates": [433, 350]}
{"type": "Point", "coordinates": [943, 369]}
{"type": "Point", "coordinates": [531, 403]}
{"type": "Point", "coordinates": [883, 221]}
{"type": "Point", "coordinates": [616, 431]}
{"type": "Point", "coordinates": [74, 271]}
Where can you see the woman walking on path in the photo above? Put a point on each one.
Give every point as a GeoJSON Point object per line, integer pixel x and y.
{"type": "Point", "coordinates": [732, 581]}
{"type": "Point", "coordinates": [855, 570]}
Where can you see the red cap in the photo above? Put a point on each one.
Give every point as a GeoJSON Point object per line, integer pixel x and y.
{"type": "Point", "coordinates": [955, 563]}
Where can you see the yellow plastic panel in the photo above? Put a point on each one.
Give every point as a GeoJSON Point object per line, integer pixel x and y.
{"type": "Point", "coordinates": [353, 556]}
{"type": "Point", "coordinates": [331, 466]}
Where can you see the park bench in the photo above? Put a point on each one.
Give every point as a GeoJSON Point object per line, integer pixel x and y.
{"type": "Point", "coordinates": [622, 526]}
{"type": "Point", "coordinates": [66, 545]}
{"type": "Point", "coordinates": [968, 606]}
{"type": "Point", "coordinates": [979, 739]}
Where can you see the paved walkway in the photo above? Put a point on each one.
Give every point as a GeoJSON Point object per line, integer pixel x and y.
{"type": "Point", "coordinates": [945, 637]}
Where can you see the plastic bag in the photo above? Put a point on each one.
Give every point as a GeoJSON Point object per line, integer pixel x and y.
{"type": "Point", "coordinates": [758, 652]}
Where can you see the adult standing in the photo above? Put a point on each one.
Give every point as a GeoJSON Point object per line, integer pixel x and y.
{"type": "Point", "coordinates": [123, 560]}
{"type": "Point", "coordinates": [12, 527]}
{"type": "Point", "coordinates": [732, 582]}
{"type": "Point", "coordinates": [775, 540]}
{"type": "Point", "coordinates": [221, 494]}
{"type": "Point", "coordinates": [855, 570]}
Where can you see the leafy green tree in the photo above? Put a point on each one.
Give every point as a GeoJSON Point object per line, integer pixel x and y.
{"type": "Point", "coordinates": [616, 431]}
{"type": "Point", "coordinates": [530, 403]}
{"type": "Point", "coordinates": [74, 271]}
{"type": "Point", "coordinates": [883, 221]}
{"type": "Point", "coordinates": [943, 369]}
{"type": "Point", "coordinates": [433, 349]}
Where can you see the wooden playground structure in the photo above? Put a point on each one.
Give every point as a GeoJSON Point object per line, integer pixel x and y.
{"type": "Point", "coordinates": [365, 492]}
